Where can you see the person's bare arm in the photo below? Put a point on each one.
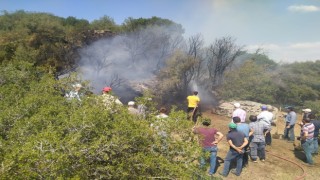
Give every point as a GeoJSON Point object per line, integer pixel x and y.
{"type": "Point", "coordinates": [234, 147]}
{"type": "Point", "coordinates": [245, 142]}
{"type": "Point", "coordinates": [305, 135]}
{"type": "Point", "coordinates": [218, 139]}
{"type": "Point", "coordinates": [251, 132]}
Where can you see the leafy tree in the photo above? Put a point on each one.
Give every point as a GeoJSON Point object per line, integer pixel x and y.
{"type": "Point", "coordinates": [105, 23]}
{"type": "Point", "coordinates": [249, 82]}
{"type": "Point", "coordinates": [299, 82]}
{"type": "Point", "coordinates": [130, 24]}
{"type": "Point", "coordinates": [53, 38]}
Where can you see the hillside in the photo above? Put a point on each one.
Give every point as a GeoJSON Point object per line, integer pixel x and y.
{"type": "Point", "coordinates": [282, 161]}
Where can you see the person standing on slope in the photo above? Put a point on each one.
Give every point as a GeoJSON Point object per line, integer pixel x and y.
{"type": "Point", "coordinates": [258, 144]}
{"type": "Point", "coordinates": [291, 119]}
{"type": "Point", "coordinates": [193, 106]}
{"type": "Point", "coordinates": [267, 118]}
{"type": "Point", "coordinates": [209, 142]}
{"type": "Point", "coordinates": [237, 142]}
{"type": "Point", "coordinates": [245, 129]}
{"type": "Point", "coordinates": [306, 138]}
{"type": "Point", "coordinates": [238, 112]}
{"type": "Point", "coordinates": [109, 100]}
{"type": "Point", "coordinates": [316, 123]}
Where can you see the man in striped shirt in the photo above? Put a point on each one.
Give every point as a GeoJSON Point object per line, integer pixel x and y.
{"type": "Point", "coordinates": [306, 138]}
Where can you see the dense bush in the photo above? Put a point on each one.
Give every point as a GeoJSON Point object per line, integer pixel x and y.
{"type": "Point", "coordinates": [45, 136]}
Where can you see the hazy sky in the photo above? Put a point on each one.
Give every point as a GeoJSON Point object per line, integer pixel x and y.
{"type": "Point", "coordinates": [287, 30]}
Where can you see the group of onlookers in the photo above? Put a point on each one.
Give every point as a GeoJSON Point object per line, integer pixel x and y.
{"type": "Point", "coordinates": [245, 140]}
{"type": "Point", "coordinates": [249, 140]}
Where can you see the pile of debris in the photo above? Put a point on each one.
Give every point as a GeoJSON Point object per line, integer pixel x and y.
{"type": "Point", "coordinates": [252, 108]}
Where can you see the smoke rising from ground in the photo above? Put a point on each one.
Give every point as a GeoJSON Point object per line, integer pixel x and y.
{"type": "Point", "coordinates": [129, 61]}
{"type": "Point", "coordinates": [127, 58]}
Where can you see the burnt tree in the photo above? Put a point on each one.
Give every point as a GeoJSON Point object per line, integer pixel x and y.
{"type": "Point", "coordinates": [221, 55]}
{"type": "Point", "coordinates": [195, 46]}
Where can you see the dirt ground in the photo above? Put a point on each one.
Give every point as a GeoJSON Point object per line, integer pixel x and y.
{"type": "Point", "coordinates": [282, 160]}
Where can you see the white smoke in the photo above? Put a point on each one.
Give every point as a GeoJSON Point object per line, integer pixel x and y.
{"type": "Point", "coordinates": [127, 58]}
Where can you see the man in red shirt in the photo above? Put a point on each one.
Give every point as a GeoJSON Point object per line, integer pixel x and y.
{"type": "Point", "coordinates": [209, 142]}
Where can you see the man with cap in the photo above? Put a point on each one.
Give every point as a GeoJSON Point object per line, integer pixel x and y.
{"type": "Point", "coordinates": [193, 105]}
{"type": "Point", "coordinates": [238, 112]}
{"type": "Point", "coordinates": [290, 119]}
{"type": "Point", "coordinates": [266, 117]}
{"type": "Point", "coordinates": [237, 142]}
{"type": "Point", "coordinates": [306, 138]}
{"type": "Point", "coordinates": [108, 99]}
{"type": "Point", "coordinates": [209, 142]}
{"type": "Point", "coordinates": [306, 112]}
{"type": "Point", "coordinates": [132, 109]}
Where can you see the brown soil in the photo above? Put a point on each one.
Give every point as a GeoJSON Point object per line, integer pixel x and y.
{"type": "Point", "coordinates": [273, 167]}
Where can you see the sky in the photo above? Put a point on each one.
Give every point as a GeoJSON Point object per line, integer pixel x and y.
{"type": "Point", "coordinates": [286, 30]}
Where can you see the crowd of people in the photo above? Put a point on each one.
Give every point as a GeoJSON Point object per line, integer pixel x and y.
{"type": "Point", "coordinates": [112, 103]}
{"type": "Point", "coordinates": [247, 141]}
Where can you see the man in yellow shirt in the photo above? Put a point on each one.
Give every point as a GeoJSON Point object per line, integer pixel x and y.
{"type": "Point", "coordinates": [193, 103]}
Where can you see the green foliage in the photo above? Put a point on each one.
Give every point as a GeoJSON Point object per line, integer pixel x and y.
{"type": "Point", "coordinates": [47, 137]}
{"type": "Point", "coordinates": [130, 24]}
{"type": "Point", "coordinates": [314, 105]}
{"type": "Point", "coordinates": [51, 40]}
{"type": "Point", "coordinates": [299, 82]}
{"type": "Point", "coordinates": [250, 82]}
{"type": "Point", "coordinates": [263, 81]}
{"type": "Point", "coordinates": [104, 23]}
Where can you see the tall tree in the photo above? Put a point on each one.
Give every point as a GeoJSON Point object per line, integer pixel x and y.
{"type": "Point", "coordinates": [195, 49]}
{"type": "Point", "coordinates": [220, 55]}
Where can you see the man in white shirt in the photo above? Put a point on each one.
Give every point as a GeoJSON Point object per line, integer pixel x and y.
{"type": "Point", "coordinates": [238, 112]}
{"type": "Point", "coordinates": [267, 118]}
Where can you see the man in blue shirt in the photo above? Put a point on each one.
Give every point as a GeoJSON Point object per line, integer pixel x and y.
{"type": "Point", "coordinates": [291, 119]}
